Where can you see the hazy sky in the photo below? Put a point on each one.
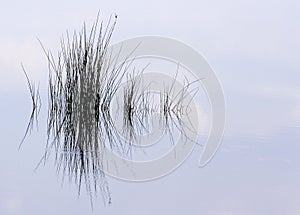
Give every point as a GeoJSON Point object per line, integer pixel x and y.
{"type": "Point", "coordinates": [254, 48]}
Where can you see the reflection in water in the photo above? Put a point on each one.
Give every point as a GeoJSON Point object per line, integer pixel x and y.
{"type": "Point", "coordinates": [82, 83]}
{"type": "Point", "coordinates": [136, 107]}
{"type": "Point", "coordinates": [36, 105]}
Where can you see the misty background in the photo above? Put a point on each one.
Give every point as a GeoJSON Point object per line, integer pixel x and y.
{"type": "Point", "coordinates": [253, 47]}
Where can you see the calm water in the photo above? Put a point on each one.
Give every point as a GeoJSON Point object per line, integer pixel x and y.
{"type": "Point", "coordinates": [256, 170]}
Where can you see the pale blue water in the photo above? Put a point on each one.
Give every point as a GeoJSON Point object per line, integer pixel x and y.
{"type": "Point", "coordinates": [254, 50]}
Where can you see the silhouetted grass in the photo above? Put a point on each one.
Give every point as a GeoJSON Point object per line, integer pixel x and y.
{"type": "Point", "coordinates": [136, 107]}
{"type": "Point", "coordinates": [82, 83]}
{"type": "Point", "coordinates": [174, 106]}
{"type": "Point", "coordinates": [83, 80]}
{"type": "Point", "coordinates": [36, 105]}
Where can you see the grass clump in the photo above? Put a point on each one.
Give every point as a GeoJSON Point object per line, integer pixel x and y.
{"type": "Point", "coordinates": [82, 83]}
{"type": "Point", "coordinates": [83, 80]}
